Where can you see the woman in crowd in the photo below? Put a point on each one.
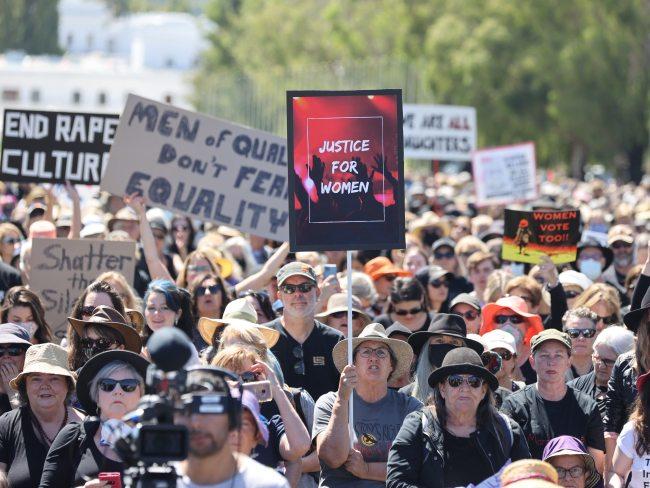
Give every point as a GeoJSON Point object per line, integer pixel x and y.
{"type": "Point", "coordinates": [44, 388]}
{"type": "Point", "coordinates": [105, 329]}
{"type": "Point", "coordinates": [604, 301]}
{"type": "Point", "coordinates": [182, 242]}
{"type": "Point", "coordinates": [108, 387]}
{"type": "Point", "coordinates": [14, 341]}
{"type": "Point", "coordinates": [198, 262]}
{"type": "Point", "coordinates": [336, 314]}
{"type": "Point", "coordinates": [261, 303]}
{"type": "Point", "coordinates": [632, 453]}
{"type": "Point", "coordinates": [10, 240]}
{"type": "Point", "coordinates": [414, 259]}
{"type": "Point", "coordinates": [23, 307]}
{"type": "Point", "coordinates": [527, 289]}
{"type": "Point", "coordinates": [575, 467]}
{"type": "Point", "coordinates": [129, 297]}
{"type": "Point", "coordinates": [460, 423]}
{"type": "Point", "coordinates": [503, 343]}
{"type": "Point", "coordinates": [445, 332]}
{"type": "Point", "coordinates": [167, 305]}
{"type": "Point", "coordinates": [97, 293]}
{"type": "Point", "coordinates": [407, 304]}
{"type": "Point", "coordinates": [209, 296]}
{"type": "Point", "coordinates": [496, 286]}
{"type": "Point", "coordinates": [580, 324]}
{"type": "Point", "coordinates": [438, 289]}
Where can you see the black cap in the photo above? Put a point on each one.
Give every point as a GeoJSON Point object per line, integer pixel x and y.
{"type": "Point", "coordinates": [446, 324]}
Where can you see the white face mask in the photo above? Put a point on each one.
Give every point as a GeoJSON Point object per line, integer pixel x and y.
{"type": "Point", "coordinates": [30, 327]}
{"type": "Point", "coordinates": [590, 268]}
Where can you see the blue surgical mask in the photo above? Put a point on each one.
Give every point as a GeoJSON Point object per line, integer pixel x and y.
{"type": "Point", "coordinates": [590, 268]}
{"type": "Point", "coordinates": [602, 228]}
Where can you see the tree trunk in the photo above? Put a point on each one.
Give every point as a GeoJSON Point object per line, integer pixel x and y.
{"type": "Point", "coordinates": [635, 162]}
{"type": "Point", "coordinates": [578, 160]}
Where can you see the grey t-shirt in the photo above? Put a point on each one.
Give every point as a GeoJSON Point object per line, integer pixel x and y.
{"type": "Point", "coordinates": [250, 474]}
{"type": "Point", "coordinates": [375, 424]}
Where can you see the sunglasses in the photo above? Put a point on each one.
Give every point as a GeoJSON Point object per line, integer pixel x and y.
{"type": "Point", "coordinates": [609, 320]}
{"type": "Point", "coordinates": [10, 240]}
{"type": "Point", "coordinates": [343, 313]}
{"type": "Point", "coordinates": [128, 385]}
{"type": "Point", "coordinates": [505, 355]}
{"type": "Point", "coordinates": [299, 367]}
{"type": "Point", "coordinates": [208, 290]}
{"type": "Point", "coordinates": [586, 333]}
{"type": "Point", "coordinates": [439, 283]}
{"type": "Point", "coordinates": [412, 311]}
{"type": "Point", "coordinates": [456, 380]}
{"type": "Point", "coordinates": [87, 310]}
{"type": "Point", "coordinates": [513, 319]}
{"type": "Point", "coordinates": [12, 350]}
{"type": "Point", "coordinates": [302, 288]}
{"type": "Point", "coordinates": [199, 268]}
{"type": "Point", "coordinates": [443, 255]}
{"type": "Point", "coordinates": [97, 344]}
{"type": "Point", "coordinates": [571, 294]}
{"type": "Point", "coordinates": [469, 315]}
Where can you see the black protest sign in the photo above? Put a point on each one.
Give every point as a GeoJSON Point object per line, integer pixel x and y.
{"type": "Point", "coordinates": [41, 146]}
{"type": "Point", "coordinates": [201, 166]}
{"type": "Point", "coordinates": [527, 236]}
{"type": "Point", "coordinates": [346, 170]}
{"type": "Point", "coordinates": [62, 268]}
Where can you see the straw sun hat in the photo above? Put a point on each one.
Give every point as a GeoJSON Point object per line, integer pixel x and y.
{"type": "Point", "coordinates": [375, 332]}
{"type": "Point", "coordinates": [237, 312]}
{"type": "Point", "coordinates": [45, 358]}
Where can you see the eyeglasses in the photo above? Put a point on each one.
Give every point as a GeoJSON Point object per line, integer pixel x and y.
{"type": "Point", "coordinates": [443, 255]}
{"type": "Point", "coordinates": [208, 290]}
{"type": "Point", "coordinates": [128, 385]}
{"type": "Point", "coordinates": [299, 367]}
{"type": "Point", "coordinates": [412, 311]}
{"type": "Point", "coordinates": [607, 362]}
{"type": "Point", "coordinates": [571, 294]}
{"type": "Point", "coordinates": [609, 320]}
{"type": "Point", "coordinates": [12, 350]}
{"type": "Point", "coordinates": [367, 352]}
{"type": "Point", "coordinates": [439, 283]}
{"type": "Point", "coordinates": [302, 288]}
{"type": "Point", "coordinates": [469, 315]}
{"type": "Point", "coordinates": [195, 268]}
{"type": "Point", "coordinates": [503, 319]}
{"type": "Point", "coordinates": [389, 277]}
{"type": "Point", "coordinates": [87, 310]}
{"type": "Point", "coordinates": [575, 471]}
{"type": "Point", "coordinates": [97, 344]}
{"type": "Point", "coordinates": [621, 245]}
{"type": "Point", "coordinates": [505, 355]}
{"type": "Point", "coordinates": [456, 380]}
{"type": "Point", "coordinates": [586, 333]}
{"type": "Point", "coordinates": [344, 313]}
{"type": "Point", "coordinates": [10, 240]}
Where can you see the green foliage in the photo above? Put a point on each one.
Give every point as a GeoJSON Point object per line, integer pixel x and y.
{"type": "Point", "coordinates": [30, 26]}
{"type": "Point", "coordinates": [571, 76]}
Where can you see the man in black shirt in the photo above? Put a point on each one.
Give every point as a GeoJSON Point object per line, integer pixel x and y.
{"type": "Point", "coordinates": [305, 346]}
{"type": "Point", "coordinates": [549, 408]}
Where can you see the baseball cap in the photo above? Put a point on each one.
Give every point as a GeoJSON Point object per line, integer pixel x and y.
{"type": "Point", "coordinates": [467, 299]}
{"type": "Point", "coordinates": [444, 241]}
{"type": "Point", "coordinates": [571, 277]}
{"type": "Point", "coordinates": [549, 335]}
{"type": "Point", "coordinates": [498, 338]}
{"type": "Point", "coordinates": [295, 269]}
{"type": "Point", "coordinates": [620, 233]}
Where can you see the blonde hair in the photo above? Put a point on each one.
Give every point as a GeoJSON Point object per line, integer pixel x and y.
{"type": "Point", "coordinates": [246, 335]}
{"type": "Point", "coordinates": [477, 258]}
{"type": "Point", "coordinates": [600, 292]}
{"type": "Point", "coordinates": [7, 227]}
{"type": "Point", "coordinates": [496, 285]}
{"type": "Point", "coordinates": [529, 284]}
{"type": "Point", "coordinates": [469, 244]}
{"type": "Point", "coordinates": [130, 298]}
{"type": "Point", "coordinates": [235, 358]}
{"type": "Point", "coordinates": [202, 253]}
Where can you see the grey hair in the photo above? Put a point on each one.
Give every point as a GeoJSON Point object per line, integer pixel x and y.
{"type": "Point", "coordinates": [421, 389]}
{"type": "Point", "coordinates": [362, 286]}
{"type": "Point", "coordinates": [619, 338]}
{"type": "Point", "coordinates": [109, 369]}
{"type": "Point", "coordinates": [579, 313]}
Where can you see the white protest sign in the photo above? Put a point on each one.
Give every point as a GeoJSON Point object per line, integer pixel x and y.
{"type": "Point", "coordinates": [62, 268]}
{"type": "Point", "coordinates": [201, 166]}
{"type": "Point", "coordinates": [442, 132]}
{"type": "Point", "coordinates": [505, 174]}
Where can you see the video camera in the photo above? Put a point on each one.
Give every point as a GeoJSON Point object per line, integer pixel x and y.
{"type": "Point", "coordinates": [155, 442]}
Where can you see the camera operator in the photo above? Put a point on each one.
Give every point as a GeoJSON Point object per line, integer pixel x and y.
{"type": "Point", "coordinates": [211, 462]}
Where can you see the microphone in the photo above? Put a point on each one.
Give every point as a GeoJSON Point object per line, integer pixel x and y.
{"type": "Point", "coordinates": [170, 349]}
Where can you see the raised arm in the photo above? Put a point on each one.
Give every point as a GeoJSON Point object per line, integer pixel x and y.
{"type": "Point", "coordinates": [75, 225]}
{"type": "Point", "coordinates": [258, 280]}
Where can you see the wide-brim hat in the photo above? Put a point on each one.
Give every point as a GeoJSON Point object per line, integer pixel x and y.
{"type": "Point", "coordinates": [124, 214]}
{"type": "Point", "coordinates": [89, 370]}
{"type": "Point", "coordinates": [444, 324]}
{"type": "Point", "coordinates": [136, 318]}
{"type": "Point", "coordinates": [529, 473]}
{"type": "Point", "coordinates": [566, 445]}
{"type": "Point", "coordinates": [380, 266]}
{"type": "Point", "coordinates": [517, 306]}
{"type": "Point", "coordinates": [11, 333]}
{"type": "Point", "coordinates": [338, 302]}
{"type": "Point", "coordinates": [607, 252]}
{"type": "Point", "coordinates": [44, 358]}
{"type": "Point", "coordinates": [633, 318]}
{"type": "Point", "coordinates": [375, 332]}
{"type": "Point", "coordinates": [463, 360]}
{"type": "Point", "coordinates": [109, 317]}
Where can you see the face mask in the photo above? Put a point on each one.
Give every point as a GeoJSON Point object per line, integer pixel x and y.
{"type": "Point", "coordinates": [437, 353]}
{"type": "Point", "coordinates": [601, 228]}
{"type": "Point", "coordinates": [31, 327]}
{"type": "Point", "coordinates": [590, 268]}
{"type": "Point", "coordinates": [517, 269]}
{"type": "Point", "coordinates": [516, 333]}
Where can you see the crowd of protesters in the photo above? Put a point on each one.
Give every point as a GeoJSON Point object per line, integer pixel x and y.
{"type": "Point", "coordinates": [467, 369]}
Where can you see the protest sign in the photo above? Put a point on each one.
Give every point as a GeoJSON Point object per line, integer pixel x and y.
{"type": "Point", "coordinates": [346, 170]}
{"type": "Point", "coordinates": [40, 146]}
{"type": "Point", "coordinates": [62, 268]}
{"type": "Point", "coordinates": [528, 236]}
{"type": "Point", "coordinates": [504, 175]}
{"type": "Point", "coordinates": [441, 132]}
{"type": "Point", "coordinates": [201, 166]}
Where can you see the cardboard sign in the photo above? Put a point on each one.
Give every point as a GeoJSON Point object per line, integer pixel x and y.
{"type": "Point", "coordinates": [504, 175]}
{"type": "Point", "coordinates": [346, 170]}
{"type": "Point", "coordinates": [202, 167]}
{"type": "Point", "coordinates": [441, 132]}
{"type": "Point", "coordinates": [55, 146]}
{"type": "Point", "coordinates": [62, 268]}
{"type": "Point", "coordinates": [529, 235]}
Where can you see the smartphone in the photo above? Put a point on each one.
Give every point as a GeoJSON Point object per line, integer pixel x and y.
{"type": "Point", "coordinates": [114, 479]}
{"type": "Point", "coordinates": [261, 390]}
{"type": "Point", "coordinates": [329, 270]}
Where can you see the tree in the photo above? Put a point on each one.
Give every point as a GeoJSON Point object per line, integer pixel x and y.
{"type": "Point", "coordinates": [30, 26]}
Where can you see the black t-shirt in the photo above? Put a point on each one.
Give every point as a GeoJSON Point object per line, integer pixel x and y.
{"type": "Point", "coordinates": [9, 277]}
{"type": "Point", "coordinates": [541, 420]}
{"type": "Point", "coordinates": [5, 404]}
{"type": "Point", "coordinates": [587, 385]}
{"type": "Point", "coordinates": [459, 450]}
{"type": "Point", "coordinates": [74, 457]}
{"type": "Point", "coordinates": [20, 450]}
{"type": "Point", "coordinates": [319, 375]}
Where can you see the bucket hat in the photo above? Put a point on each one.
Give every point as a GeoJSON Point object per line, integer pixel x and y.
{"type": "Point", "coordinates": [44, 358]}
{"type": "Point", "coordinates": [463, 360]}
{"type": "Point", "coordinates": [444, 324]}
